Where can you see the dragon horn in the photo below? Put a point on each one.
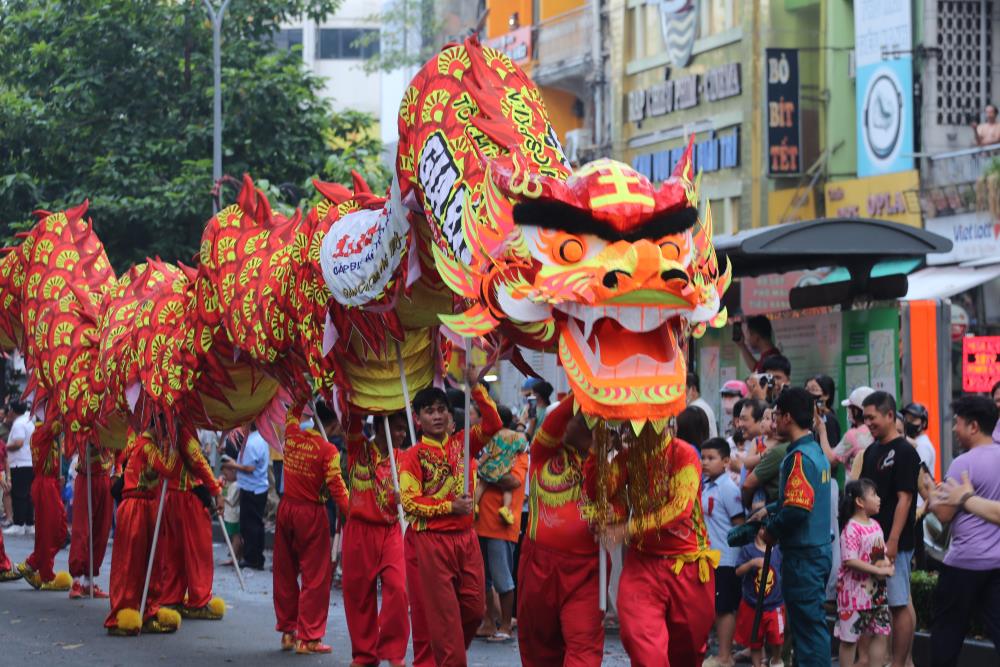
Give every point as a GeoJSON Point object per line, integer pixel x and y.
{"type": "Point", "coordinates": [684, 169]}
{"type": "Point", "coordinates": [360, 185]}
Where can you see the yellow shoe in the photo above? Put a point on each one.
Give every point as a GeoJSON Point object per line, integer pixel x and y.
{"type": "Point", "coordinates": [287, 641]}
{"type": "Point", "coordinates": [305, 648]}
{"type": "Point", "coordinates": [213, 611]}
{"type": "Point", "coordinates": [61, 582]}
{"type": "Point", "coordinates": [10, 575]}
{"type": "Point", "coordinates": [506, 515]}
{"type": "Point", "coordinates": [30, 575]}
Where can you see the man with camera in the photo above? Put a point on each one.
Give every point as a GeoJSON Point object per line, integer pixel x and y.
{"type": "Point", "coordinates": [759, 340]}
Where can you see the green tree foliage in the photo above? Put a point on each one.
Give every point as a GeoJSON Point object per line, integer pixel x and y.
{"type": "Point", "coordinates": [112, 102]}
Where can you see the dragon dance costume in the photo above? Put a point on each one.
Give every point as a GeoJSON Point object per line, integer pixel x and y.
{"type": "Point", "coordinates": [666, 595]}
{"type": "Point", "coordinates": [559, 621]}
{"type": "Point", "coordinates": [144, 471]}
{"type": "Point", "coordinates": [50, 513]}
{"type": "Point", "coordinates": [302, 538]}
{"type": "Point", "coordinates": [373, 553]}
{"type": "Point", "coordinates": [444, 566]}
{"type": "Point", "coordinates": [187, 538]}
{"type": "Point", "coordinates": [101, 510]}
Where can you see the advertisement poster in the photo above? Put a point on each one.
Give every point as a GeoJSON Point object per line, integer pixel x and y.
{"type": "Point", "coordinates": [883, 43]}
{"type": "Point", "coordinates": [980, 363]}
{"type": "Point", "coordinates": [784, 129]}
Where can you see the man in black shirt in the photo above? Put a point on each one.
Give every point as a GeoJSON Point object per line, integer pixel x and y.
{"type": "Point", "coordinates": [893, 464]}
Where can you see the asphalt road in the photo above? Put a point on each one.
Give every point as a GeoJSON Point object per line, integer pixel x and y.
{"type": "Point", "coordinates": [39, 628]}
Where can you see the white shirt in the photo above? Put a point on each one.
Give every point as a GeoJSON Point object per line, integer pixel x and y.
{"type": "Point", "coordinates": [713, 426]}
{"type": "Point", "coordinates": [925, 450]}
{"type": "Point", "coordinates": [21, 429]}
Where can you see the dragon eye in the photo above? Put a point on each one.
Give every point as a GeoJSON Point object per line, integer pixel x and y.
{"type": "Point", "coordinates": [572, 250]}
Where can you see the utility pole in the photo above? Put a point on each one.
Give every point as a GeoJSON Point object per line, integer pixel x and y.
{"type": "Point", "coordinates": [216, 17]}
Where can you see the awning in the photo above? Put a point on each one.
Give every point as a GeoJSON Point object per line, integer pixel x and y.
{"type": "Point", "coordinates": [854, 243]}
{"type": "Point", "coordinates": [941, 282]}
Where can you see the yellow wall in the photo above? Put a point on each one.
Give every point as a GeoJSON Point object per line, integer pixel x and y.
{"type": "Point", "coordinates": [559, 104]}
{"type": "Point", "coordinates": [500, 11]}
{"type": "Point", "coordinates": [550, 8]}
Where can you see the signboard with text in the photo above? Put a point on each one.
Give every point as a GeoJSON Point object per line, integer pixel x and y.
{"type": "Point", "coordinates": [883, 47]}
{"type": "Point", "coordinates": [784, 129]}
{"type": "Point", "coordinates": [890, 197]}
{"type": "Point", "coordinates": [516, 44]}
{"type": "Point", "coordinates": [980, 363]}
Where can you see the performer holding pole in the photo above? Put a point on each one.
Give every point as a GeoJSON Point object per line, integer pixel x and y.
{"type": "Point", "coordinates": [302, 534]}
{"type": "Point", "coordinates": [444, 566]}
{"type": "Point", "coordinates": [135, 580]}
{"type": "Point", "coordinates": [90, 532]}
{"type": "Point", "coordinates": [373, 545]}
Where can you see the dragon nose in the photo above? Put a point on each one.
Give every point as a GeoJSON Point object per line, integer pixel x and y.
{"type": "Point", "coordinates": [674, 274]}
{"type": "Point", "coordinates": [611, 278]}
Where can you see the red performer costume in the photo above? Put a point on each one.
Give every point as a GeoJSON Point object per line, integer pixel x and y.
{"type": "Point", "coordinates": [7, 570]}
{"type": "Point", "coordinates": [187, 538]}
{"type": "Point", "coordinates": [559, 619]}
{"type": "Point", "coordinates": [666, 595]}
{"type": "Point", "coordinates": [444, 567]}
{"type": "Point", "coordinates": [373, 551]}
{"type": "Point", "coordinates": [302, 538]}
{"type": "Point", "coordinates": [135, 525]}
{"type": "Point", "coordinates": [103, 509]}
{"type": "Point", "coordinates": [50, 514]}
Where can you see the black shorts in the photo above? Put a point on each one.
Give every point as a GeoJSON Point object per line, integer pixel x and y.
{"type": "Point", "coordinates": [727, 590]}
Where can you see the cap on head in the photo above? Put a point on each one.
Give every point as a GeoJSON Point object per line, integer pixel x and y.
{"type": "Point", "coordinates": [734, 388]}
{"type": "Point", "coordinates": [857, 397]}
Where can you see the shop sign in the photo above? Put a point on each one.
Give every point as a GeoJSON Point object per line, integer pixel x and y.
{"type": "Point", "coordinates": [891, 197]}
{"type": "Point", "coordinates": [883, 45]}
{"type": "Point", "coordinates": [769, 293]}
{"type": "Point", "coordinates": [665, 97]}
{"type": "Point", "coordinates": [980, 363]}
{"type": "Point", "coordinates": [516, 44]}
{"type": "Point", "coordinates": [973, 236]}
{"type": "Point", "coordinates": [710, 154]}
{"type": "Point", "coordinates": [784, 130]}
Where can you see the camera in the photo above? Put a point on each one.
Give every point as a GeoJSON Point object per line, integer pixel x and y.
{"type": "Point", "coordinates": [767, 380]}
{"type": "Point", "coordinates": [737, 332]}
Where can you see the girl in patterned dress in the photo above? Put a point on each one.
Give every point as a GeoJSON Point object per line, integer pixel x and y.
{"type": "Point", "coordinates": [862, 606]}
{"type": "Point", "coordinates": [497, 459]}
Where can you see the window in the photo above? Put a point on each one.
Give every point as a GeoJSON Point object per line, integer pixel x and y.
{"type": "Point", "coordinates": [344, 43]}
{"type": "Point", "coordinates": [960, 88]}
{"type": "Point", "coordinates": [286, 38]}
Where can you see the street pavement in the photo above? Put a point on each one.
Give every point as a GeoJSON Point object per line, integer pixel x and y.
{"type": "Point", "coordinates": [39, 628]}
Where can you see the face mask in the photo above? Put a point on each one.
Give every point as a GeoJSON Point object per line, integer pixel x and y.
{"type": "Point", "coordinates": [911, 430]}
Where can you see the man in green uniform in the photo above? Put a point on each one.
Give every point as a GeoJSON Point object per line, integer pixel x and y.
{"type": "Point", "coordinates": [800, 522]}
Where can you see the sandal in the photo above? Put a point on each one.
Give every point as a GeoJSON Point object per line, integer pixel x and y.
{"type": "Point", "coordinates": [499, 638]}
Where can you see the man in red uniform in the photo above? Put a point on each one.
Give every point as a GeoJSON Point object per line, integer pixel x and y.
{"type": "Point", "coordinates": [559, 619]}
{"type": "Point", "coordinates": [135, 522]}
{"type": "Point", "coordinates": [373, 548]}
{"type": "Point", "coordinates": [187, 537]}
{"type": "Point", "coordinates": [666, 594]}
{"type": "Point", "coordinates": [302, 535]}
{"type": "Point", "coordinates": [7, 570]}
{"type": "Point", "coordinates": [50, 514]}
{"type": "Point", "coordinates": [100, 462]}
{"type": "Point", "coordinates": [444, 567]}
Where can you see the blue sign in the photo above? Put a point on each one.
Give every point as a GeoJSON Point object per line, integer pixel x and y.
{"type": "Point", "coordinates": [885, 117]}
{"type": "Point", "coordinates": [710, 154]}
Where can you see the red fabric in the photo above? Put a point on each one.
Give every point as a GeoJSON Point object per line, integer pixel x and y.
{"type": "Point", "coordinates": [488, 522]}
{"type": "Point", "coordinates": [103, 512]}
{"type": "Point", "coordinates": [5, 563]}
{"type": "Point", "coordinates": [45, 456]}
{"type": "Point", "coordinates": [559, 622]}
{"type": "Point", "coordinates": [50, 526]}
{"type": "Point", "coordinates": [665, 617]}
{"type": "Point", "coordinates": [374, 551]}
{"type": "Point", "coordinates": [449, 569]}
{"type": "Point", "coordinates": [423, 656]}
{"type": "Point", "coordinates": [195, 469]}
{"type": "Point", "coordinates": [771, 631]}
{"type": "Point", "coordinates": [677, 526]}
{"type": "Point", "coordinates": [188, 565]}
{"type": "Point", "coordinates": [144, 463]}
{"type": "Point", "coordinates": [372, 497]}
{"type": "Point", "coordinates": [302, 549]}
{"type": "Point", "coordinates": [134, 524]}
{"type": "Point", "coordinates": [431, 473]}
{"type": "Point", "coordinates": [556, 477]}
{"type": "Point", "coordinates": [312, 468]}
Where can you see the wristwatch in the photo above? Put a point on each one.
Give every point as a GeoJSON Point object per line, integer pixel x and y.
{"type": "Point", "coordinates": [965, 498]}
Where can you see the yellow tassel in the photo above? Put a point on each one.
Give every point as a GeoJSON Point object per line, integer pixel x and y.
{"type": "Point", "coordinates": [217, 606]}
{"type": "Point", "coordinates": [62, 581]}
{"type": "Point", "coordinates": [128, 620]}
{"type": "Point", "coordinates": [168, 617]}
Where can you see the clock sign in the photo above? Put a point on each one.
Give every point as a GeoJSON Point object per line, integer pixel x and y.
{"type": "Point", "coordinates": [883, 115]}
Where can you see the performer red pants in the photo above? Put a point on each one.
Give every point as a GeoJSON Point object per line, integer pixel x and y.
{"type": "Point", "coordinates": [103, 513]}
{"type": "Point", "coordinates": [187, 551]}
{"type": "Point", "coordinates": [302, 548]}
{"type": "Point", "coordinates": [665, 617]}
{"type": "Point", "coordinates": [135, 523]}
{"type": "Point", "coordinates": [5, 563]}
{"type": "Point", "coordinates": [559, 621]}
{"type": "Point", "coordinates": [50, 526]}
{"type": "Point", "coordinates": [447, 568]}
{"type": "Point", "coordinates": [374, 551]}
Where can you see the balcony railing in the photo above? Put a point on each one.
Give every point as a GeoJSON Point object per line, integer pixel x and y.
{"type": "Point", "coordinates": [563, 42]}
{"type": "Point", "coordinates": [955, 182]}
